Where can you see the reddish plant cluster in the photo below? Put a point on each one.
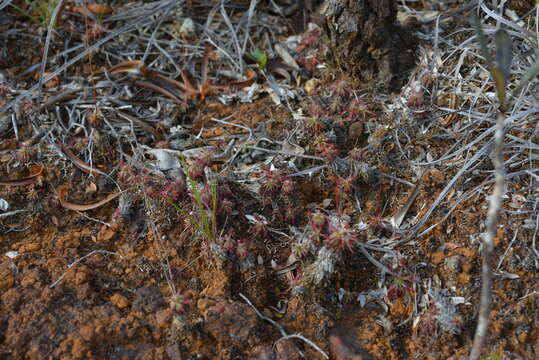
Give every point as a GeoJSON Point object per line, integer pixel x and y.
{"type": "Point", "coordinates": [206, 194]}
{"type": "Point", "coordinates": [227, 201]}
{"type": "Point", "coordinates": [416, 98]}
{"type": "Point", "coordinates": [336, 234]}
{"type": "Point", "coordinates": [179, 302]}
{"type": "Point", "coordinates": [439, 314]}
{"type": "Point", "coordinates": [276, 185]}
{"type": "Point", "coordinates": [228, 249]}
{"type": "Point", "coordinates": [154, 187]}
{"type": "Point", "coordinates": [259, 227]}
{"type": "Point", "coordinates": [309, 38]}
{"type": "Point", "coordinates": [273, 183]}
{"type": "Point", "coordinates": [357, 154]}
{"type": "Point", "coordinates": [341, 87]}
{"type": "Point", "coordinates": [293, 280]}
{"type": "Point", "coordinates": [311, 60]}
{"type": "Point", "coordinates": [340, 236]}
{"type": "Point", "coordinates": [402, 285]}
{"type": "Point", "coordinates": [308, 53]}
{"type": "Point", "coordinates": [157, 188]}
{"type": "Point", "coordinates": [315, 110]}
{"type": "Point", "coordinates": [195, 170]}
{"type": "Point", "coordinates": [317, 223]}
{"type": "Point", "coordinates": [342, 187]}
{"type": "Point", "coordinates": [325, 148]}
{"type": "Point", "coordinates": [358, 110]}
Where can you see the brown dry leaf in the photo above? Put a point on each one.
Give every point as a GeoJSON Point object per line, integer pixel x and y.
{"type": "Point", "coordinates": [173, 82]}
{"type": "Point", "coordinates": [130, 67]}
{"type": "Point", "coordinates": [437, 257]}
{"type": "Point", "coordinates": [157, 89]}
{"type": "Point", "coordinates": [84, 11]}
{"type": "Point", "coordinates": [95, 119]}
{"type": "Point", "coordinates": [453, 104]}
{"type": "Point", "coordinates": [401, 213]}
{"type": "Point", "coordinates": [100, 9]}
{"type": "Point", "coordinates": [54, 82]}
{"type": "Point", "coordinates": [281, 71]}
{"type": "Point", "coordinates": [143, 125]}
{"type": "Point", "coordinates": [61, 97]}
{"type": "Point", "coordinates": [399, 307]}
{"type": "Point", "coordinates": [78, 207]}
{"type": "Point", "coordinates": [251, 77]}
{"type": "Point", "coordinates": [93, 10]}
{"type": "Point", "coordinates": [35, 171]}
{"type": "Point", "coordinates": [81, 164]}
{"type": "Point", "coordinates": [91, 188]}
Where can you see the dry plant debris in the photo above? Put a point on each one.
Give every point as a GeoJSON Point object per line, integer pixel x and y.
{"type": "Point", "coordinates": [247, 187]}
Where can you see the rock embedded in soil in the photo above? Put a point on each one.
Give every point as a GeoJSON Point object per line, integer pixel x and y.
{"type": "Point", "coordinates": [148, 300]}
{"type": "Point", "coordinates": [232, 324]}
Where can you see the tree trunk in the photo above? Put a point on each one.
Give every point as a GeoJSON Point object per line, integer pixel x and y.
{"type": "Point", "coordinates": [365, 41]}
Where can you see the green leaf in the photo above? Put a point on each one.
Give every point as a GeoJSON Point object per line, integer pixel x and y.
{"type": "Point", "coordinates": [260, 57]}
{"type": "Point", "coordinates": [263, 62]}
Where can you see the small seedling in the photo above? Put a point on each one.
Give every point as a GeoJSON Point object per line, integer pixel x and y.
{"type": "Point", "coordinates": [259, 57]}
{"type": "Point", "coordinates": [179, 302]}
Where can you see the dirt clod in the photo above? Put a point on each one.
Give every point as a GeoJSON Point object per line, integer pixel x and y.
{"type": "Point", "coordinates": [148, 299]}
{"type": "Point", "coordinates": [232, 323]}
{"type": "Point", "coordinates": [119, 301]}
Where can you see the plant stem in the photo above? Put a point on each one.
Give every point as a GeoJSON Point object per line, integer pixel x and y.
{"type": "Point", "coordinates": [488, 240]}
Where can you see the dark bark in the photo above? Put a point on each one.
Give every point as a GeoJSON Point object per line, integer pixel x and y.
{"type": "Point", "coordinates": [365, 41]}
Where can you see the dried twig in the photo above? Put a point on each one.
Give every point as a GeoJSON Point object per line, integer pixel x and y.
{"type": "Point", "coordinates": [104, 252]}
{"type": "Point", "coordinates": [143, 20]}
{"type": "Point", "coordinates": [281, 329]}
